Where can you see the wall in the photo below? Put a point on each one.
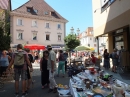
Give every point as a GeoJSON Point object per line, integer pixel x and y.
{"type": "Point", "coordinates": [41, 35]}
{"type": "Point", "coordinates": [114, 17]}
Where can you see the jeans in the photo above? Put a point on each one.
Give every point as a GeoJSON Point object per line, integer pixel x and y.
{"type": "Point", "coordinates": [61, 66]}
{"type": "Point", "coordinates": [52, 80]}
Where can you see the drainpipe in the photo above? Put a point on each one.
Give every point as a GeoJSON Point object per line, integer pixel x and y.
{"type": "Point", "coordinates": [97, 45]}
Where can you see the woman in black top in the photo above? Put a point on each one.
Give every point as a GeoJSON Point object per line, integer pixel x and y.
{"type": "Point", "coordinates": [43, 68]}
{"type": "Point", "coordinates": [106, 59]}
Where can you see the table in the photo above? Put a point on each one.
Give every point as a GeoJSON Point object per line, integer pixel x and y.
{"type": "Point", "coordinates": [74, 92]}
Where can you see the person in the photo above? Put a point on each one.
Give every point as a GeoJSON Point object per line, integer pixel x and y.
{"type": "Point", "coordinates": [44, 71]}
{"type": "Point", "coordinates": [36, 57]}
{"type": "Point", "coordinates": [10, 52]}
{"type": "Point", "coordinates": [65, 56]}
{"type": "Point", "coordinates": [114, 60]}
{"type": "Point", "coordinates": [4, 62]}
{"type": "Point", "coordinates": [87, 61]}
{"type": "Point", "coordinates": [106, 59]}
{"type": "Point", "coordinates": [61, 65]}
{"type": "Point", "coordinates": [93, 59]}
{"type": "Point", "coordinates": [51, 66]}
{"type": "Point", "coordinates": [19, 59]}
{"type": "Point", "coordinates": [29, 77]}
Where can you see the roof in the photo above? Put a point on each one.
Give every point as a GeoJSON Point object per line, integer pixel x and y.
{"type": "Point", "coordinates": [5, 4]}
{"type": "Point", "coordinates": [43, 9]}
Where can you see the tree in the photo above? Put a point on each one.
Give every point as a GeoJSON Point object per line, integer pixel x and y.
{"type": "Point", "coordinates": [71, 42]}
{"type": "Point", "coordinates": [4, 30]}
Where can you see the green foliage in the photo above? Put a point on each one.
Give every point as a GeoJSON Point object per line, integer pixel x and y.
{"type": "Point", "coordinates": [5, 31]}
{"type": "Point", "coordinates": [71, 42]}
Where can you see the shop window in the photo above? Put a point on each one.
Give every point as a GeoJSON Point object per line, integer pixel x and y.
{"type": "Point", "coordinates": [119, 42]}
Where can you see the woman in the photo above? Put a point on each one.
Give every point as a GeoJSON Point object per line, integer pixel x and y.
{"type": "Point", "coordinates": [61, 65]}
{"type": "Point", "coordinates": [44, 71]}
{"type": "Point", "coordinates": [4, 62]}
{"type": "Point", "coordinates": [106, 59]}
{"type": "Point", "coordinates": [87, 61]}
{"type": "Point", "coordinates": [36, 57]}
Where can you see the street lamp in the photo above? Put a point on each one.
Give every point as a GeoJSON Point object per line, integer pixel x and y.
{"type": "Point", "coordinates": [96, 10]}
{"type": "Point", "coordinates": [72, 30]}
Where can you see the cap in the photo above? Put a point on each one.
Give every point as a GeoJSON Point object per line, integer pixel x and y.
{"type": "Point", "coordinates": [49, 46]}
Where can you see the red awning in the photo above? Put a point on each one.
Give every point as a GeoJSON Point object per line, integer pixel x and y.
{"type": "Point", "coordinates": [35, 46]}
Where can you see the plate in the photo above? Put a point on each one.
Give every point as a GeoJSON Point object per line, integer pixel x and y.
{"type": "Point", "coordinates": [97, 95]}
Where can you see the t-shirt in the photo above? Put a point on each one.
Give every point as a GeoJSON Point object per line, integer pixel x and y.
{"type": "Point", "coordinates": [93, 60]}
{"type": "Point", "coordinates": [52, 57]}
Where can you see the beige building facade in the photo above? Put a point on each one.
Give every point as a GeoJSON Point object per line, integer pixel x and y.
{"type": "Point", "coordinates": [111, 19]}
{"type": "Point", "coordinates": [32, 24]}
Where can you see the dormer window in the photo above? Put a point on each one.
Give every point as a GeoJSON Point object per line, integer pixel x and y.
{"type": "Point", "coordinates": [28, 9]}
{"type": "Point", "coordinates": [46, 13]}
{"type": "Point", "coordinates": [36, 11]}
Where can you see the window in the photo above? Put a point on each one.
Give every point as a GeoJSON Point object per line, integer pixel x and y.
{"type": "Point", "coordinates": [19, 22]}
{"type": "Point", "coordinates": [90, 38]}
{"type": "Point", "coordinates": [59, 37]}
{"type": "Point", "coordinates": [95, 45]}
{"type": "Point", "coordinates": [89, 45]}
{"type": "Point", "coordinates": [36, 11]}
{"type": "Point", "coordinates": [46, 13]}
{"type": "Point", "coordinates": [28, 9]}
{"type": "Point", "coordinates": [20, 36]}
{"type": "Point", "coordinates": [59, 26]}
{"type": "Point", "coordinates": [34, 37]}
{"type": "Point", "coordinates": [47, 37]}
{"type": "Point", "coordinates": [34, 23]}
{"type": "Point", "coordinates": [47, 25]}
{"type": "Point", "coordinates": [106, 4]}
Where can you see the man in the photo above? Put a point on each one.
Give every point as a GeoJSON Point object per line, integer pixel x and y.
{"type": "Point", "coordinates": [52, 68]}
{"type": "Point", "coordinates": [19, 60]}
{"type": "Point", "coordinates": [65, 56]}
{"type": "Point", "coordinates": [29, 77]}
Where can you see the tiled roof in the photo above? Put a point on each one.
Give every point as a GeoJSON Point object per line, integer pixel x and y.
{"type": "Point", "coordinates": [4, 4]}
{"type": "Point", "coordinates": [43, 9]}
{"type": "Point", "coordinates": [88, 30]}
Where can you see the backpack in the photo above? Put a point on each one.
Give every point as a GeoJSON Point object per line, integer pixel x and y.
{"type": "Point", "coordinates": [19, 59]}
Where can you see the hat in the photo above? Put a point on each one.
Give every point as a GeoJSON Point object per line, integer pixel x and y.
{"type": "Point", "coordinates": [49, 46]}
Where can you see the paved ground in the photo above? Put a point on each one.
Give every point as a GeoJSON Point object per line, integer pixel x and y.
{"type": "Point", "coordinates": [36, 91]}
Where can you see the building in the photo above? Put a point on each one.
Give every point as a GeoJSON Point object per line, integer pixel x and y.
{"type": "Point", "coordinates": [87, 38]}
{"type": "Point", "coordinates": [111, 19]}
{"type": "Point", "coordinates": [35, 22]}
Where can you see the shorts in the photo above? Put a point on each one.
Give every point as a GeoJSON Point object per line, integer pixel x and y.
{"type": "Point", "coordinates": [18, 73]}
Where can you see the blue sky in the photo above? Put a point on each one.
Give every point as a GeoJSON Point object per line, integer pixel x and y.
{"type": "Point", "coordinates": [77, 12]}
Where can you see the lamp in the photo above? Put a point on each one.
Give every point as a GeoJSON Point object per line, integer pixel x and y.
{"type": "Point", "coordinates": [96, 10]}
{"type": "Point", "coordinates": [72, 30]}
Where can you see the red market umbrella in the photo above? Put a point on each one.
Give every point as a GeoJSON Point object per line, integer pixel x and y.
{"type": "Point", "coordinates": [35, 46]}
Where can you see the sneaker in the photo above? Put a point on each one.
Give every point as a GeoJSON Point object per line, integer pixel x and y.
{"type": "Point", "coordinates": [16, 94]}
{"type": "Point", "coordinates": [23, 95]}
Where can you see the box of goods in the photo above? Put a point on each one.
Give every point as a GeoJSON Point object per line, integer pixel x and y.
{"type": "Point", "coordinates": [105, 92]}
{"type": "Point", "coordinates": [63, 91]}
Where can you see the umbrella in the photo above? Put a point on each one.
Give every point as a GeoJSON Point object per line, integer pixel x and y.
{"type": "Point", "coordinates": [34, 46]}
{"type": "Point", "coordinates": [81, 48]}
{"type": "Point", "coordinates": [92, 49]}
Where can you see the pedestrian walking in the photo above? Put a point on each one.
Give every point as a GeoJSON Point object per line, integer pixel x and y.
{"type": "Point", "coordinates": [51, 66]}
{"type": "Point", "coordinates": [106, 64]}
{"type": "Point", "coordinates": [4, 62]}
{"type": "Point", "coordinates": [44, 71]}
{"type": "Point", "coordinates": [61, 65]}
{"type": "Point", "coordinates": [19, 60]}
{"type": "Point", "coordinates": [65, 58]}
